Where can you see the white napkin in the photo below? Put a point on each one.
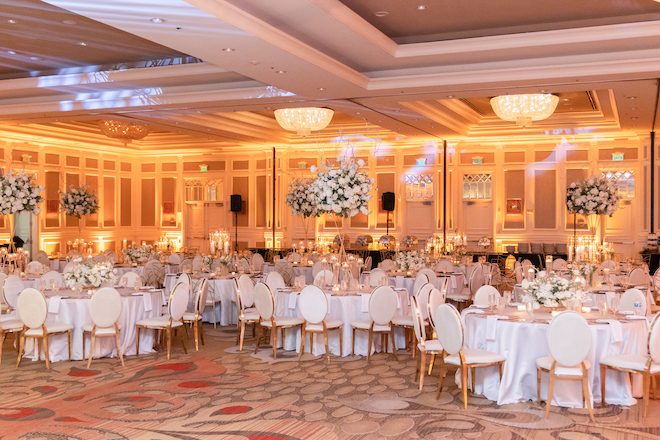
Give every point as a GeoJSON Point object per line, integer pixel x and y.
{"type": "Point", "coordinates": [148, 303]}
{"type": "Point", "coordinates": [54, 304]}
{"type": "Point", "coordinates": [491, 326]}
{"type": "Point", "coordinates": [398, 282]}
{"type": "Point", "coordinates": [292, 300]}
{"type": "Point", "coordinates": [633, 317]}
{"type": "Point", "coordinates": [469, 310]}
{"type": "Point", "coordinates": [616, 335]}
{"type": "Point", "coordinates": [365, 301]}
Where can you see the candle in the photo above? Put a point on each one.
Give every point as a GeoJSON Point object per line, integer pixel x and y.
{"type": "Point", "coordinates": [586, 309]}
{"type": "Point", "coordinates": [555, 313]}
{"type": "Point", "coordinates": [521, 308]}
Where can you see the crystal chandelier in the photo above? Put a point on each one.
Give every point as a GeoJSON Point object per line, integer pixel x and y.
{"type": "Point", "coordinates": [125, 131]}
{"type": "Point", "coordinates": [523, 109]}
{"type": "Point", "coordinates": [304, 119]}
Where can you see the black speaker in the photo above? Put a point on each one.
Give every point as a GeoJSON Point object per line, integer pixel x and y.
{"type": "Point", "coordinates": [236, 203]}
{"type": "Point", "coordinates": [388, 201]}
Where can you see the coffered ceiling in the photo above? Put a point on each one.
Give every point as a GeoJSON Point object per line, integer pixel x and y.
{"type": "Point", "coordinates": [207, 74]}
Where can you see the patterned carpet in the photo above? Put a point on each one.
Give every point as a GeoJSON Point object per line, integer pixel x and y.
{"type": "Point", "coordinates": [217, 393]}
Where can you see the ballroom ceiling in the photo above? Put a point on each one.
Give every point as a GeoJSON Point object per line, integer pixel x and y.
{"type": "Point", "coordinates": [209, 73]}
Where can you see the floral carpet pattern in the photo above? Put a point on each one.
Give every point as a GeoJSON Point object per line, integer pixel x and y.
{"type": "Point", "coordinates": [217, 393]}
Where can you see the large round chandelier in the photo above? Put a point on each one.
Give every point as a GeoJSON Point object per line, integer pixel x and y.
{"type": "Point", "coordinates": [303, 120]}
{"type": "Point", "coordinates": [125, 131]}
{"type": "Point", "coordinates": [523, 109]}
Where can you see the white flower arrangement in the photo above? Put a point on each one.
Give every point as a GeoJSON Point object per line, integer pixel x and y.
{"type": "Point", "coordinates": [344, 190]}
{"type": "Point", "coordinates": [79, 201]}
{"type": "Point", "coordinates": [596, 195]}
{"type": "Point", "coordinates": [138, 254]}
{"type": "Point", "coordinates": [19, 193]}
{"type": "Point", "coordinates": [584, 270]}
{"type": "Point", "coordinates": [90, 273]}
{"type": "Point", "coordinates": [301, 199]}
{"type": "Point", "coordinates": [411, 260]}
{"type": "Point", "coordinates": [550, 290]}
{"type": "Point", "coordinates": [207, 261]}
{"type": "Point", "coordinates": [226, 260]}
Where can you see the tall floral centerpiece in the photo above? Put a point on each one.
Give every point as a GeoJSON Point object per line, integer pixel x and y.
{"type": "Point", "coordinates": [302, 201]}
{"type": "Point", "coordinates": [137, 255]}
{"type": "Point", "coordinates": [19, 193]}
{"type": "Point", "coordinates": [90, 273]}
{"type": "Point", "coordinates": [78, 202]}
{"type": "Point", "coordinates": [593, 197]}
{"type": "Point", "coordinates": [551, 290]}
{"type": "Point", "coordinates": [342, 189]}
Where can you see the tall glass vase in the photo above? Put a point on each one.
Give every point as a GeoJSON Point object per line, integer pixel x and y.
{"type": "Point", "coordinates": [10, 221]}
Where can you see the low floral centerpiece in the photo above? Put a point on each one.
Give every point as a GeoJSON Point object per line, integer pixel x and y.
{"type": "Point", "coordinates": [207, 262]}
{"type": "Point", "coordinates": [410, 260]}
{"type": "Point", "coordinates": [90, 273]}
{"type": "Point", "coordinates": [78, 202]}
{"type": "Point", "coordinates": [551, 290]}
{"type": "Point", "coordinates": [136, 255]}
{"type": "Point", "coordinates": [596, 195]}
{"type": "Point", "coordinates": [585, 270]}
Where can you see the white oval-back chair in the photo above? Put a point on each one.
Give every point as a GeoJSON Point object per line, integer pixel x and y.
{"type": "Point", "coordinates": [154, 273]}
{"type": "Point", "coordinates": [275, 281]}
{"type": "Point", "coordinates": [34, 267]}
{"type": "Point", "coordinates": [52, 277]}
{"type": "Point", "coordinates": [131, 278]}
{"type": "Point", "coordinates": [195, 318]}
{"type": "Point", "coordinates": [444, 266]}
{"type": "Point", "coordinates": [382, 308]}
{"type": "Point", "coordinates": [377, 276]}
{"type": "Point", "coordinates": [313, 306]}
{"type": "Point", "coordinates": [12, 287]}
{"type": "Point", "coordinates": [257, 262]}
{"type": "Point", "coordinates": [104, 311]}
{"type": "Point", "coordinates": [424, 345]}
{"type": "Point", "coordinates": [174, 259]}
{"type": "Point", "coordinates": [629, 298]}
{"type": "Point", "coordinates": [43, 259]}
{"type": "Point", "coordinates": [420, 280]}
{"type": "Point", "coordinates": [265, 304]}
{"type": "Point", "coordinates": [386, 265]}
{"type": "Point", "coordinates": [569, 343]}
{"type": "Point", "coordinates": [32, 310]}
{"type": "Point", "coordinates": [481, 297]}
{"type": "Point", "coordinates": [324, 277]}
{"type": "Point", "coordinates": [247, 314]}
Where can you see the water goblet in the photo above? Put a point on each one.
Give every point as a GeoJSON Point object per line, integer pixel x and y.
{"type": "Point", "coordinates": [500, 305]}
{"type": "Point", "coordinates": [614, 305]}
{"type": "Point", "coordinates": [529, 309]}
{"type": "Point", "coordinates": [507, 296]}
{"type": "Point", "coordinates": [602, 307]}
{"type": "Point", "coordinates": [124, 282]}
{"type": "Point", "coordinates": [491, 300]}
{"type": "Point", "coordinates": [136, 285]}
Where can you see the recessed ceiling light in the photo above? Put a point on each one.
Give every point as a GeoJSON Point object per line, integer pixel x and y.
{"type": "Point", "coordinates": [634, 117]}
{"type": "Point", "coordinates": [632, 97]}
{"type": "Point", "coordinates": [157, 20]}
{"type": "Point", "coordinates": [381, 14]}
{"type": "Point", "coordinates": [321, 88]}
{"type": "Point", "coordinates": [634, 108]}
{"type": "Point", "coordinates": [228, 49]}
{"type": "Point", "coordinates": [254, 63]}
{"type": "Point", "coordinates": [281, 71]}
{"type": "Point", "coordinates": [82, 43]}
{"type": "Point", "coordinates": [450, 96]}
{"type": "Point", "coordinates": [421, 7]}
{"type": "Point", "coordinates": [36, 58]}
{"type": "Point", "coordinates": [70, 22]}
{"type": "Point", "coordinates": [11, 52]}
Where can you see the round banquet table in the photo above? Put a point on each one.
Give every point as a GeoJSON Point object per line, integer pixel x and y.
{"type": "Point", "coordinates": [522, 342]}
{"type": "Point", "coordinates": [74, 309]}
{"type": "Point", "coordinates": [298, 270]}
{"type": "Point", "coordinates": [349, 307]}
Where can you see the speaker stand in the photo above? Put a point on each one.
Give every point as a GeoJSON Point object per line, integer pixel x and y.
{"type": "Point", "coordinates": [236, 231]}
{"type": "Point", "coordinates": [388, 223]}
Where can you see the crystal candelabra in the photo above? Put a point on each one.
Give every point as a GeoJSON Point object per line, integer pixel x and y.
{"type": "Point", "coordinates": [219, 242]}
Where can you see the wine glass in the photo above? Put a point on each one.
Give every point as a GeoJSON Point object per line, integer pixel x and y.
{"type": "Point", "coordinates": [602, 306]}
{"type": "Point", "coordinates": [42, 285]}
{"type": "Point", "coordinates": [491, 300]}
{"type": "Point", "coordinates": [529, 309]}
{"type": "Point", "coordinates": [124, 282]}
{"type": "Point", "coordinates": [500, 305]}
{"type": "Point", "coordinates": [136, 285]}
{"type": "Point", "coordinates": [614, 305]}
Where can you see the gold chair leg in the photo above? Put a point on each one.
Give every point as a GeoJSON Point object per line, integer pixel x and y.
{"type": "Point", "coordinates": [83, 344]}
{"type": "Point", "coordinates": [341, 342]}
{"type": "Point", "coordinates": [422, 368]}
{"type": "Point", "coordinates": [119, 352]}
{"type": "Point", "coordinates": [184, 339]}
{"type": "Point", "coordinates": [371, 334]}
{"type": "Point", "coordinates": [353, 347]}
{"type": "Point", "coordinates": [431, 363]}
{"type": "Point", "coordinates": [442, 368]}
{"type": "Point", "coordinates": [68, 335]}
{"type": "Point", "coordinates": [241, 335]}
{"type": "Point", "coordinates": [303, 335]}
{"type": "Point", "coordinates": [169, 341]}
{"type": "Point", "coordinates": [585, 392]}
{"type": "Point", "coordinates": [645, 395]}
{"type": "Point", "coordinates": [201, 331]}
{"type": "Point", "coordinates": [137, 347]}
{"type": "Point", "coordinates": [196, 330]}
{"type": "Point", "coordinates": [396, 358]}
{"type": "Point", "coordinates": [273, 337]}
{"type": "Point", "coordinates": [603, 376]}
{"type": "Point", "coordinates": [464, 383]}
{"type": "Point", "coordinates": [325, 340]}
{"type": "Point", "coordinates": [91, 349]}
{"type": "Point", "coordinates": [46, 352]}
{"type": "Point", "coordinates": [258, 338]}
{"type": "Point", "coordinates": [538, 385]}
{"type": "Point", "coordinates": [551, 384]}
{"type": "Point", "coordinates": [21, 346]}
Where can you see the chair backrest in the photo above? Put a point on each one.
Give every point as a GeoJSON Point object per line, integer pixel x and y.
{"type": "Point", "coordinates": [382, 305]}
{"type": "Point", "coordinates": [481, 296]}
{"type": "Point", "coordinates": [68, 267]}
{"type": "Point", "coordinates": [197, 263]}
{"type": "Point", "coordinates": [178, 301]}
{"type": "Point", "coordinates": [243, 262]}
{"type": "Point", "coordinates": [433, 279]}
{"type": "Point", "coordinates": [130, 277]}
{"type": "Point", "coordinates": [526, 264]}
{"type": "Point", "coordinates": [202, 294]}
{"type": "Point", "coordinates": [174, 259]}
{"type": "Point", "coordinates": [387, 264]}
{"type": "Point", "coordinates": [368, 262]}
{"type": "Point", "coordinates": [637, 277]}
{"type": "Point", "coordinates": [105, 307]}
{"type": "Point", "coordinates": [449, 328]}
{"type": "Point", "coordinates": [656, 281]}
{"type": "Point", "coordinates": [247, 290]}
{"type": "Point", "coordinates": [257, 261]}
{"type": "Point", "coordinates": [318, 267]}
{"type": "Point", "coordinates": [184, 278]}
{"type": "Point", "coordinates": [423, 298]}
{"type": "Point", "coordinates": [608, 264]}
{"type": "Point", "coordinates": [12, 288]}
{"type": "Point", "coordinates": [436, 298]}
{"type": "Point", "coordinates": [324, 277]}
{"type": "Point", "coordinates": [419, 282]}
{"type": "Point", "coordinates": [284, 268]}
{"type": "Point", "coordinates": [113, 258]}
{"type": "Point", "coordinates": [263, 301]}
{"type": "Point", "coordinates": [274, 281]}
{"type": "Point", "coordinates": [558, 264]}
{"type": "Point", "coordinates": [418, 321]}
{"type": "Point", "coordinates": [313, 304]}
{"type": "Point", "coordinates": [377, 275]}
{"type": "Point", "coordinates": [569, 338]}
{"type": "Point", "coordinates": [476, 279]}
{"type": "Point", "coordinates": [653, 341]}
{"type": "Point", "coordinates": [3, 277]}
{"type": "Point", "coordinates": [294, 257]}
{"type": "Point", "coordinates": [32, 308]}
{"type": "Point", "coordinates": [43, 259]}
{"type": "Point", "coordinates": [518, 273]}
{"type": "Point", "coordinates": [34, 267]}
{"type": "Point", "coordinates": [154, 273]}
{"type": "Point", "coordinates": [100, 258]}
{"type": "Point", "coordinates": [447, 265]}
{"type": "Point", "coordinates": [52, 276]}
{"type": "Point", "coordinates": [629, 298]}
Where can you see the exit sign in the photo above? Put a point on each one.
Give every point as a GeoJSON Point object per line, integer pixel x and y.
{"type": "Point", "coordinates": [477, 160]}
{"type": "Point", "coordinates": [617, 157]}
{"type": "Point", "coordinates": [203, 168]}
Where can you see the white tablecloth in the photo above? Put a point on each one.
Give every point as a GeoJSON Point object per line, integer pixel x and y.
{"type": "Point", "coordinates": [345, 308]}
{"type": "Point", "coordinates": [75, 311]}
{"type": "Point", "coordinates": [297, 271]}
{"type": "Point", "coordinates": [524, 342]}
{"type": "Point", "coordinates": [223, 290]}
